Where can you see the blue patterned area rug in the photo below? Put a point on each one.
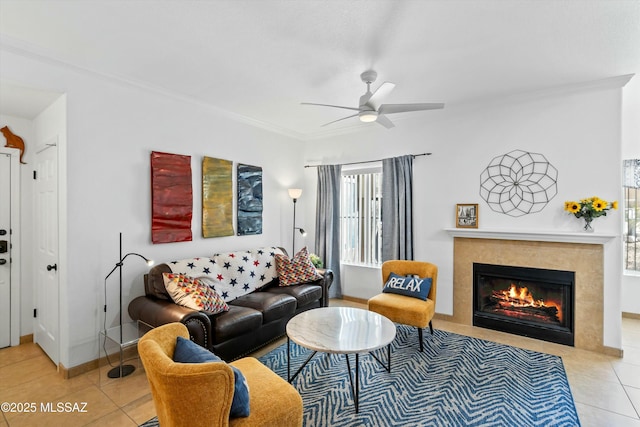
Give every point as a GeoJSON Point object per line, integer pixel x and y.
{"type": "Point", "coordinates": [456, 381]}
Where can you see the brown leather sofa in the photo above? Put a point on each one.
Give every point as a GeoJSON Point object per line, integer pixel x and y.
{"type": "Point", "coordinates": [252, 321]}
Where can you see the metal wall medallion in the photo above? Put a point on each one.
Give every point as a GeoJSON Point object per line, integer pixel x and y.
{"type": "Point", "coordinates": [518, 183]}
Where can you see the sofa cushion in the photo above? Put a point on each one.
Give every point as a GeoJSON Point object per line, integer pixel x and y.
{"type": "Point", "coordinates": [192, 293]}
{"type": "Point", "coordinates": [187, 351]}
{"type": "Point", "coordinates": [237, 321]}
{"type": "Point", "coordinates": [298, 270]}
{"type": "Point", "coordinates": [272, 306]}
{"type": "Point", "coordinates": [304, 294]}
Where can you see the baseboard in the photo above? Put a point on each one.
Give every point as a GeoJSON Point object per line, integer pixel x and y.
{"type": "Point", "coordinates": [610, 351]}
{"type": "Point", "coordinates": [353, 299]}
{"type": "Point", "coordinates": [364, 301]}
{"type": "Point", "coordinates": [631, 315]}
{"type": "Point", "coordinates": [446, 317]}
{"type": "Point", "coordinates": [75, 371]}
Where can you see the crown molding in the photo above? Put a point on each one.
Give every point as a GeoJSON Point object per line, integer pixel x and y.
{"type": "Point", "coordinates": [36, 53]}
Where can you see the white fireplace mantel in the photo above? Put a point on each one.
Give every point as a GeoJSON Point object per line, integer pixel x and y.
{"type": "Point", "coordinates": [538, 236]}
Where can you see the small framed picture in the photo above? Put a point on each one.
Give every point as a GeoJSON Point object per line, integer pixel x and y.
{"type": "Point", "coordinates": [467, 215]}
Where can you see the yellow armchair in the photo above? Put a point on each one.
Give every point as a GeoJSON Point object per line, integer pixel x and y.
{"type": "Point", "coordinates": [200, 394]}
{"type": "Point", "coordinates": [404, 309]}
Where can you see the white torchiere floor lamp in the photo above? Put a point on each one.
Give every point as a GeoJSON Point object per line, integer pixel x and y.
{"type": "Point", "coordinates": [295, 194]}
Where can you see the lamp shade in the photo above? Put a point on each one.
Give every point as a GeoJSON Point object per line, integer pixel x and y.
{"type": "Point", "coordinates": [295, 193]}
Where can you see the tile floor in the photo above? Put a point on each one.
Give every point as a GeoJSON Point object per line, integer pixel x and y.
{"type": "Point", "coordinates": [606, 389]}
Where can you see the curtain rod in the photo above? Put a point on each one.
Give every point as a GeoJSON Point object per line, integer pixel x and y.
{"type": "Point", "coordinates": [366, 161]}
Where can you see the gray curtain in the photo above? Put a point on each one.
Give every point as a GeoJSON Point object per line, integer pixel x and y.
{"type": "Point", "coordinates": [397, 208]}
{"type": "Point", "coordinates": [328, 223]}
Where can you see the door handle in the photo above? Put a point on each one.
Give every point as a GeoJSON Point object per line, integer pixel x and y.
{"type": "Point", "coordinates": [3, 261]}
{"type": "Point", "coordinates": [52, 267]}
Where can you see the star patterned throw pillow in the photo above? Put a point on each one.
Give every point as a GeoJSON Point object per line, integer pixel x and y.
{"type": "Point", "coordinates": [298, 270]}
{"type": "Point", "coordinates": [192, 293]}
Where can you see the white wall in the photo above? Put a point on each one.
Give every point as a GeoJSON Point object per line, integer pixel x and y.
{"type": "Point", "coordinates": [578, 130]}
{"type": "Point", "coordinates": [112, 129]}
{"type": "Point", "coordinates": [631, 150]}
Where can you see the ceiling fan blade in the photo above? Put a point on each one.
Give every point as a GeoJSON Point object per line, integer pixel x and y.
{"type": "Point", "coordinates": [344, 118]}
{"type": "Point", "coordinates": [382, 92]}
{"type": "Point", "coordinates": [384, 121]}
{"type": "Point", "coordinates": [404, 108]}
{"type": "Point", "coordinates": [327, 105]}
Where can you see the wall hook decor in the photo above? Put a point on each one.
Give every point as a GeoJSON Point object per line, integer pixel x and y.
{"type": "Point", "coordinates": [518, 183]}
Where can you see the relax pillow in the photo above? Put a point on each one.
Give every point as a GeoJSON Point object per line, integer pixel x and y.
{"type": "Point", "coordinates": [192, 293]}
{"type": "Point", "coordinates": [187, 351]}
{"type": "Point", "coordinates": [408, 285]}
{"type": "Point", "coordinates": [298, 270]}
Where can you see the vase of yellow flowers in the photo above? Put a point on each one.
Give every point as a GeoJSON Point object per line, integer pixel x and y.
{"type": "Point", "coordinates": [589, 209]}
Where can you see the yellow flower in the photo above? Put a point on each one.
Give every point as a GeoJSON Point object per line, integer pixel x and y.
{"type": "Point", "coordinates": [599, 205]}
{"type": "Point", "coordinates": [614, 204]}
{"type": "Point", "coordinates": [572, 207]}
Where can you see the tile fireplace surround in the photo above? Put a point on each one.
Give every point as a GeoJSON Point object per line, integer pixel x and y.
{"type": "Point", "coordinates": [583, 254]}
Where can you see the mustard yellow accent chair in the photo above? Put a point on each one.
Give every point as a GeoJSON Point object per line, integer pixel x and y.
{"type": "Point", "coordinates": [403, 309]}
{"type": "Point", "coordinates": [200, 394]}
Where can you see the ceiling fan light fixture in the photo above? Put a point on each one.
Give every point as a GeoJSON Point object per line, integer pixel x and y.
{"type": "Point", "coordinates": [371, 107]}
{"type": "Point", "coordinates": [368, 116]}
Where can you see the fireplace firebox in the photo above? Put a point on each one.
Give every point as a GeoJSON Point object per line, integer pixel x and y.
{"type": "Point", "coordinates": [531, 302]}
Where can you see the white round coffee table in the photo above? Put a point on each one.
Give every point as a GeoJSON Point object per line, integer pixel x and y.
{"type": "Point", "coordinates": [342, 330]}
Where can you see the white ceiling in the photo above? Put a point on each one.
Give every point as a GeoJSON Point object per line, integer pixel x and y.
{"type": "Point", "coordinates": [259, 59]}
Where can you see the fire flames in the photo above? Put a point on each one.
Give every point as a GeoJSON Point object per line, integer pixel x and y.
{"type": "Point", "coordinates": [522, 297]}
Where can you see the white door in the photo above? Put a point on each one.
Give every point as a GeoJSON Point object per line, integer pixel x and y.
{"type": "Point", "coordinates": [46, 330]}
{"type": "Point", "coordinates": [5, 254]}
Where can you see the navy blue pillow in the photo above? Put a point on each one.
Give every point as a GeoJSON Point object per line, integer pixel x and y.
{"type": "Point", "coordinates": [189, 352]}
{"type": "Point", "coordinates": [408, 285]}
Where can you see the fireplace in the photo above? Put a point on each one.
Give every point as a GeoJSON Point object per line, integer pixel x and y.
{"type": "Point", "coordinates": [531, 302]}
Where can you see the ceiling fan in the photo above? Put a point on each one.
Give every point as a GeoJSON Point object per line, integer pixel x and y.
{"type": "Point", "coordinates": [371, 108]}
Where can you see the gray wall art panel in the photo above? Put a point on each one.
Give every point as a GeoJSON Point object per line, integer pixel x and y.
{"type": "Point", "coordinates": [249, 200]}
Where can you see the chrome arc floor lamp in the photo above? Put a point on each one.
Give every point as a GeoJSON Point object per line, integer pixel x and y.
{"type": "Point", "coordinates": [121, 370]}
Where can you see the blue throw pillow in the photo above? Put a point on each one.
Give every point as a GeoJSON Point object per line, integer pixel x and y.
{"type": "Point", "coordinates": [189, 352]}
{"type": "Point", "coordinates": [408, 285]}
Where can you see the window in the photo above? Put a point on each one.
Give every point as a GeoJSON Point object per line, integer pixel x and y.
{"type": "Point", "coordinates": [361, 217]}
{"type": "Point", "coordinates": [631, 236]}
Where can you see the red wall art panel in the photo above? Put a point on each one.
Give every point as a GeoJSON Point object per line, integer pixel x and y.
{"type": "Point", "coordinates": [171, 198]}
